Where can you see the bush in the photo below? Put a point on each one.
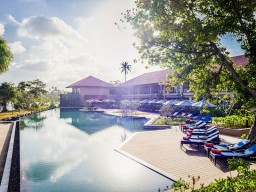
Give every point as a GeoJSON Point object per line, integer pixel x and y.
{"type": "Point", "coordinates": [233, 121]}
{"type": "Point", "coordinates": [244, 181]}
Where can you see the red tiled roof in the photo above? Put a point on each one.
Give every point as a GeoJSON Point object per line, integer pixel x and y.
{"type": "Point", "coordinates": [240, 60]}
{"type": "Point", "coordinates": [148, 78]}
{"type": "Point", "coordinates": [90, 81]}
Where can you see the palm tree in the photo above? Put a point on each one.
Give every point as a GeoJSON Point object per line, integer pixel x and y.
{"type": "Point", "coordinates": [125, 67]}
{"type": "Point", "coordinates": [5, 56]}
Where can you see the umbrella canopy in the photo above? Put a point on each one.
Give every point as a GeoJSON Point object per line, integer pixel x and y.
{"type": "Point", "coordinates": [161, 101]}
{"type": "Point", "coordinates": [185, 103]}
{"type": "Point", "coordinates": [171, 102]}
{"type": "Point", "coordinates": [94, 101]}
{"type": "Point", "coordinates": [108, 101]}
{"type": "Point", "coordinates": [125, 101]}
{"type": "Point", "coordinates": [144, 101]}
{"type": "Point", "coordinates": [154, 101]}
{"type": "Point", "coordinates": [203, 104]}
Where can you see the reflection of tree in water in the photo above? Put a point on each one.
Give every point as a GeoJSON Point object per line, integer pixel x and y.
{"type": "Point", "coordinates": [35, 121]}
{"type": "Point", "coordinates": [133, 125]}
{"type": "Point", "coordinates": [128, 123]}
{"type": "Point", "coordinates": [41, 171]}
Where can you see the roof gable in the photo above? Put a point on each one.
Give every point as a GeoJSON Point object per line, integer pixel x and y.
{"type": "Point", "coordinates": [148, 78]}
{"type": "Point", "coordinates": [90, 81]}
{"type": "Point", "coordinates": [240, 60]}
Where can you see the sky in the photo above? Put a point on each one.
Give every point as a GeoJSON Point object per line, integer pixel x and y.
{"type": "Point", "coordinates": [63, 41]}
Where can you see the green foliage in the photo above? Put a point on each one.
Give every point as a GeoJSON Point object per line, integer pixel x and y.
{"type": "Point", "coordinates": [165, 110]}
{"type": "Point", "coordinates": [214, 112]}
{"type": "Point", "coordinates": [27, 95]}
{"type": "Point", "coordinates": [233, 121]}
{"type": "Point", "coordinates": [186, 36]}
{"type": "Point", "coordinates": [7, 93]}
{"type": "Point", "coordinates": [180, 185]}
{"type": "Point", "coordinates": [169, 121]}
{"type": "Point", "coordinates": [6, 56]}
{"type": "Point", "coordinates": [244, 136]}
{"type": "Point", "coordinates": [125, 67]}
{"type": "Point", "coordinates": [244, 181]}
{"type": "Point", "coordinates": [129, 108]}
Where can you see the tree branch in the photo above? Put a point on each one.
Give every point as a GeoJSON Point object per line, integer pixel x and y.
{"type": "Point", "coordinates": [230, 68]}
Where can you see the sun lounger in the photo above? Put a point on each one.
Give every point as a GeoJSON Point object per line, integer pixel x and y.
{"type": "Point", "coordinates": [240, 145]}
{"type": "Point", "coordinates": [218, 154]}
{"type": "Point", "coordinates": [204, 137]}
{"type": "Point", "coordinates": [214, 139]}
{"type": "Point", "coordinates": [202, 131]}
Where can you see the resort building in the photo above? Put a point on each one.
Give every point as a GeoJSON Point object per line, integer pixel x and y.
{"type": "Point", "coordinates": [85, 89]}
{"type": "Point", "coordinates": [146, 86]}
{"type": "Point", "coordinates": [150, 86]}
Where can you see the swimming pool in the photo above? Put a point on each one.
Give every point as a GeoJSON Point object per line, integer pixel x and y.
{"type": "Point", "coordinates": [64, 151]}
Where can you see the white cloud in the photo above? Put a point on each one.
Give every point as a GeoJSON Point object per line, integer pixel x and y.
{"type": "Point", "coordinates": [1, 29]}
{"type": "Point", "coordinates": [60, 54]}
{"type": "Point", "coordinates": [11, 19]}
{"type": "Point", "coordinates": [17, 47]}
{"type": "Point", "coordinates": [38, 27]}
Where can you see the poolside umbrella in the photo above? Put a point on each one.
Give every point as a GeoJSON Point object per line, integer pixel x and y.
{"type": "Point", "coordinates": [145, 101]}
{"type": "Point", "coordinates": [1, 108]}
{"type": "Point", "coordinates": [185, 103]}
{"type": "Point", "coordinates": [125, 101]}
{"type": "Point", "coordinates": [171, 102]}
{"type": "Point", "coordinates": [95, 101]}
{"type": "Point", "coordinates": [136, 100]}
{"type": "Point", "coordinates": [154, 101]}
{"type": "Point", "coordinates": [161, 102]}
{"type": "Point", "coordinates": [202, 103]}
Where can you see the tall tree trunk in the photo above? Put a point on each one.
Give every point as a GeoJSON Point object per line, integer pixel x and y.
{"type": "Point", "coordinates": [252, 134]}
{"type": "Point", "coordinates": [230, 68]}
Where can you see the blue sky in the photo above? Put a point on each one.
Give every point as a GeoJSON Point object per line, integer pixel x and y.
{"type": "Point", "coordinates": [62, 41]}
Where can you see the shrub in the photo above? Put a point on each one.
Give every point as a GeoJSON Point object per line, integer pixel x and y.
{"type": "Point", "coordinates": [233, 121]}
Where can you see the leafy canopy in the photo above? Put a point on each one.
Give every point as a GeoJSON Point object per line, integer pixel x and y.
{"type": "Point", "coordinates": [186, 34]}
{"type": "Point", "coordinates": [5, 56]}
{"type": "Point", "coordinates": [125, 67]}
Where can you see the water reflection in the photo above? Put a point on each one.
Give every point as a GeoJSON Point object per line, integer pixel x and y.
{"type": "Point", "coordinates": [92, 122]}
{"type": "Point", "coordinates": [76, 153]}
{"type": "Point", "coordinates": [35, 121]}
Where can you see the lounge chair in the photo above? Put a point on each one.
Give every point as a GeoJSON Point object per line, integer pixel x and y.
{"type": "Point", "coordinates": [202, 131]}
{"type": "Point", "coordinates": [180, 116]}
{"type": "Point", "coordinates": [218, 154]}
{"type": "Point", "coordinates": [202, 137]}
{"type": "Point", "coordinates": [174, 114]}
{"type": "Point", "coordinates": [240, 145]}
{"type": "Point", "coordinates": [200, 126]}
{"type": "Point", "coordinates": [214, 139]}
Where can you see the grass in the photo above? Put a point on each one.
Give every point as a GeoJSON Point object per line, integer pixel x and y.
{"type": "Point", "coordinates": [11, 114]}
{"type": "Point", "coordinates": [169, 121]}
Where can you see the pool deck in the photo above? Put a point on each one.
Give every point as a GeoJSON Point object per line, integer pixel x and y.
{"type": "Point", "coordinates": [160, 151]}
{"type": "Point", "coordinates": [5, 133]}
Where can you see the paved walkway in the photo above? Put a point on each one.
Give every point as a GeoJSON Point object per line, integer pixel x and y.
{"type": "Point", "coordinates": [161, 151]}
{"type": "Point", "coordinates": [5, 132]}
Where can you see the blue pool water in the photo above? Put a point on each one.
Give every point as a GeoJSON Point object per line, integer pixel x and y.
{"type": "Point", "coordinates": [74, 151]}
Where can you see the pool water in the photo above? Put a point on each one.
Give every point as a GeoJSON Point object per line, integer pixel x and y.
{"type": "Point", "coordinates": [72, 151]}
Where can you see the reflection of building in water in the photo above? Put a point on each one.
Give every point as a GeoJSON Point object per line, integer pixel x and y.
{"type": "Point", "coordinates": [92, 122]}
